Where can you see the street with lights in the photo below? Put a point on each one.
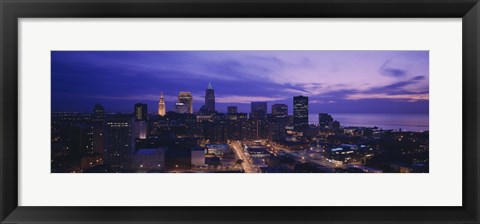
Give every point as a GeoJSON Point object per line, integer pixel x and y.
{"type": "Point", "coordinates": [247, 164]}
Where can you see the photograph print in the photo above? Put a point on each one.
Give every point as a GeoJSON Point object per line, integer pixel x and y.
{"type": "Point", "coordinates": [265, 111]}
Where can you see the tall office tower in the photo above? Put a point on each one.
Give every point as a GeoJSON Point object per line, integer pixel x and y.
{"type": "Point", "coordinates": [187, 99]}
{"type": "Point", "coordinates": [232, 110]}
{"type": "Point", "coordinates": [181, 108]}
{"type": "Point", "coordinates": [119, 141]}
{"type": "Point", "coordinates": [161, 106]}
{"type": "Point", "coordinates": [325, 120]}
{"type": "Point", "coordinates": [98, 118]}
{"type": "Point", "coordinates": [140, 111]}
{"type": "Point", "coordinates": [210, 98]}
{"type": "Point", "coordinates": [279, 110]}
{"type": "Point", "coordinates": [139, 129]}
{"type": "Point", "coordinates": [98, 113]}
{"type": "Point", "coordinates": [139, 126]}
{"type": "Point", "coordinates": [81, 141]}
{"type": "Point", "coordinates": [300, 113]}
{"type": "Point", "coordinates": [258, 110]}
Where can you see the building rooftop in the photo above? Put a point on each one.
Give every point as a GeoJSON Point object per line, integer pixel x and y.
{"type": "Point", "coordinates": [217, 146]}
{"type": "Point", "coordinates": [198, 149]}
{"type": "Point", "coordinates": [257, 150]}
{"type": "Point", "coordinates": [147, 151]}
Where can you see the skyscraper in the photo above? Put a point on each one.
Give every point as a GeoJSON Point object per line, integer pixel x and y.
{"type": "Point", "coordinates": [279, 110]}
{"type": "Point", "coordinates": [98, 113]}
{"type": "Point", "coordinates": [139, 126]}
{"type": "Point", "coordinates": [258, 110]}
{"type": "Point", "coordinates": [139, 129]}
{"type": "Point", "coordinates": [119, 141]}
{"type": "Point", "coordinates": [181, 108]}
{"type": "Point", "coordinates": [140, 111]}
{"type": "Point", "coordinates": [300, 113]}
{"type": "Point", "coordinates": [98, 118]}
{"type": "Point", "coordinates": [210, 98]}
{"type": "Point", "coordinates": [161, 106]}
{"type": "Point", "coordinates": [325, 120]}
{"type": "Point", "coordinates": [187, 99]}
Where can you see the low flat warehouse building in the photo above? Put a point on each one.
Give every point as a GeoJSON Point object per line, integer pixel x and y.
{"type": "Point", "coordinates": [149, 159]}
{"type": "Point", "coordinates": [198, 156]}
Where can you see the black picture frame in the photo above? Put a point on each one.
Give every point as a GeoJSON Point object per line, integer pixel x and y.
{"type": "Point", "coordinates": [12, 10]}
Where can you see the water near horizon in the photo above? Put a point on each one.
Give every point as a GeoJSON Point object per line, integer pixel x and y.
{"type": "Point", "coordinates": [408, 122]}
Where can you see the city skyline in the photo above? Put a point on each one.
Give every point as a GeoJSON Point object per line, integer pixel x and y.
{"type": "Point", "coordinates": [240, 112]}
{"type": "Point", "coordinates": [397, 80]}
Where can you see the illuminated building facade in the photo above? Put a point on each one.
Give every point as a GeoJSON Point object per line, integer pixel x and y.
{"type": "Point", "coordinates": [187, 99]}
{"type": "Point", "coordinates": [140, 111]}
{"type": "Point", "coordinates": [139, 126]}
{"type": "Point", "coordinates": [139, 129]}
{"type": "Point", "coordinates": [161, 106]}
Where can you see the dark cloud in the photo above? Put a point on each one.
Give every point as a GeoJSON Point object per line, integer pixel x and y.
{"type": "Point", "coordinates": [387, 70]}
{"type": "Point", "coordinates": [418, 78]}
{"type": "Point", "coordinates": [266, 59]}
{"type": "Point", "coordinates": [398, 87]}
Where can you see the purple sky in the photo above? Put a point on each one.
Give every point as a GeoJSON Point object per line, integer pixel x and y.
{"type": "Point", "coordinates": [335, 81]}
